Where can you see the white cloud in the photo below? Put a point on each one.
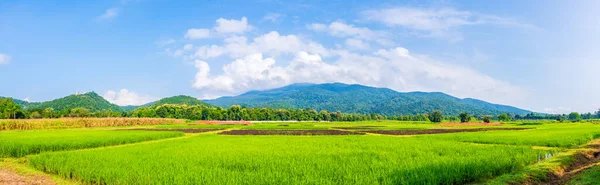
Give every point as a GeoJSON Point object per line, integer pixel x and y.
{"type": "Point", "coordinates": [356, 44]}
{"type": "Point", "coordinates": [357, 36]}
{"type": "Point", "coordinates": [394, 68]}
{"type": "Point", "coordinates": [4, 58]}
{"type": "Point", "coordinates": [109, 14]}
{"type": "Point", "coordinates": [27, 99]}
{"type": "Point", "coordinates": [195, 33]}
{"type": "Point", "coordinates": [437, 22]}
{"type": "Point", "coordinates": [125, 97]}
{"type": "Point", "coordinates": [271, 43]}
{"type": "Point", "coordinates": [273, 17]}
{"type": "Point", "coordinates": [340, 29]}
{"type": "Point", "coordinates": [232, 25]}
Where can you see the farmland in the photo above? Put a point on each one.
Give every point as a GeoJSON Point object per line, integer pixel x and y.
{"type": "Point", "coordinates": [304, 153]}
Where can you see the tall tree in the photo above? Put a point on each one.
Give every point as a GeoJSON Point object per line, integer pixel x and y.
{"type": "Point", "coordinates": [464, 117]}
{"type": "Point", "coordinates": [436, 116]}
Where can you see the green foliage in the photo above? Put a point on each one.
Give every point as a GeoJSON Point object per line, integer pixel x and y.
{"type": "Point", "coordinates": [504, 117]}
{"type": "Point", "coordinates": [361, 99]}
{"type": "Point", "coordinates": [487, 119]}
{"type": "Point", "coordinates": [90, 101]}
{"type": "Point", "coordinates": [236, 112]}
{"type": "Point", "coordinates": [9, 109]}
{"type": "Point", "coordinates": [436, 116]}
{"type": "Point", "coordinates": [574, 116]}
{"type": "Point", "coordinates": [464, 117]}
{"type": "Point", "coordinates": [215, 159]}
{"type": "Point", "coordinates": [21, 143]}
{"type": "Point", "coordinates": [179, 100]}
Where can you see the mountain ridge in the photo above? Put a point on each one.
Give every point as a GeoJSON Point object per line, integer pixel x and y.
{"type": "Point", "coordinates": [356, 98]}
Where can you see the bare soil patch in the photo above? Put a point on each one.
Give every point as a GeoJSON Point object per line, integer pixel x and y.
{"type": "Point", "coordinates": [448, 124]}
{"type": "Point", "coordinates": [185, 130]}
{"type": "Point", "coordinates": [9, 177]}
{"type": "Point", "coordinates": [290, 132]}
{"type": "Point", "coordinates": [435, 131]}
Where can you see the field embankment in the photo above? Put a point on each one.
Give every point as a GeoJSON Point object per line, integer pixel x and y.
{"type": "Point", "coordinates": [61, 123]}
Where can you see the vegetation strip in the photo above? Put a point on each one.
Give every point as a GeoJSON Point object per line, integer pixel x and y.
{"type": "Point", "coordinates": [558, 170]}
{"type": "Point", "coordinates": [435, 131]}
{"type": "Point", "coordinates": [289, 132]}
{"type": "Point", "coordinates": [62, 123]}
{"type": "Point", "coordinates": [184, 130]}
{"type": "Point", "coordinates": [22, 143]}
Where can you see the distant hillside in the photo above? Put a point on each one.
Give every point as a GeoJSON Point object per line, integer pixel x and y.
{"type": "Point", "coordinates": [180, 100]}
{"type": "Point", "coordinates": [362, 99]}
{"type": "Point", "coordinates": [24, 104]}
{"type": "Point", "coordinates": [90, 101]}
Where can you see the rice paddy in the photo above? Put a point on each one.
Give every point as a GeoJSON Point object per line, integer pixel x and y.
{"type": "Point", "coordinates": [21, 143]}
{"type": "Point", "coordinates": [298, 153]}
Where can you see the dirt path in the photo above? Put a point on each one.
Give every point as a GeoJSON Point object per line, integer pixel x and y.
{"type": "Point", "coordinates": [8, 177]}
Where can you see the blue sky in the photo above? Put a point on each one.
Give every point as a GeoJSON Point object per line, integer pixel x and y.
{"type": "Point", "coordinates": [537, 55]}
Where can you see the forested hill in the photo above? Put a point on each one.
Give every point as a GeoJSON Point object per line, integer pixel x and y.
{"type": "Point", "coordinates": [362, 99]}
{"type": "Point", "coordinates": [91, 101]}
{"type": "Point", "coordinates": [179, 100]}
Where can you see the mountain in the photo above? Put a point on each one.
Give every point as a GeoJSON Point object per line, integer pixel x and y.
{"type": "Point", "coordinates": [24, 104]}
{"type": "Point", "coordinates": [362, 99]}
{"type": "Point", "coordinates": [180, 100]}
{"type": "Point", "coordinates": [91, 101]}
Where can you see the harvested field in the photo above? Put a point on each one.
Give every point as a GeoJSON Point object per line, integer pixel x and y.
{"type": "Point", "coordinates": [184, 130]}
{"type": "Point", "coordinates": [289, 132]}
{"type": "Point", "coordinates": [435, 131]}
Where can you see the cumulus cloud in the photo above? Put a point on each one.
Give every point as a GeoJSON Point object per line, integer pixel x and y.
{"type": "Point", "coordinates": [271, 43]}
{"type": "Point", "coordinates": [126, 97]}
{"type": "Point", "coordinates": [196, 33]}
{"type": "Point", "coordinates": [232, 25]}
{"type": "Point", "coordinates": [4, 58]}
{"type": "Point", "coordinates": [109, 14]}
{"type": "Point", "coordinates": [394, 68]}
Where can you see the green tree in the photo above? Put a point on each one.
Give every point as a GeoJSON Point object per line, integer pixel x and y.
{"type": "Point", "coordinates": [464, 117]}
{"type": "Point", "coordinates": [574, 116]}
{"type": "Point", "coordinates": [487, 119]}
{"type": "Point", "coordinates": [504, 117]}
{"type": "Point", "coordinates": [436, 116]}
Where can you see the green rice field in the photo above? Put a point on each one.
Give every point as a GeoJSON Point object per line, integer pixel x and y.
{"type": "Point", "coordinates": [85, 156]}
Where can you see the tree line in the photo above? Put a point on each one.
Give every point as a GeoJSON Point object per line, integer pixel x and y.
{"type": "Point", "coordinates": [11, 110]}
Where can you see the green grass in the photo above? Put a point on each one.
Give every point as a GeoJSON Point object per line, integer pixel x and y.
{"type": "Point", "coordinates": [216, 159]}
{"type": "Point", "coordinates": [21, 143]}
{"type": "Point", "coordinates": [588, 177]}
{"type": "Point", "coordinates": [552, 135]}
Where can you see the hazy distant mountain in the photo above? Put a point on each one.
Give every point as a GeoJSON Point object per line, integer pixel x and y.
{"type": "Point", "coordinates": [362, 99]}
